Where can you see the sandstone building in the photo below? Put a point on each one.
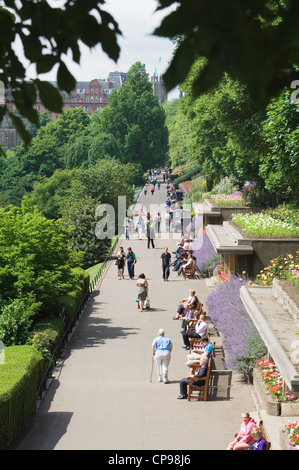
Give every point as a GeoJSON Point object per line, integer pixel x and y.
{"type": "Point", "coordinates": [92, 96]}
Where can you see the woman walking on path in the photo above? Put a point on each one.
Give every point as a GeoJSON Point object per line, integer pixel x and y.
{"type": "Point", "coordinates": [140, 225]}
{"type": "Point", "coordinates": [162, 347]}
{"type": "Point", "coordinates": [121, 258]}
{"type": "Point", "coordinates": [150, 232]}
{"type": "Point", "coordinates": [142, 285]}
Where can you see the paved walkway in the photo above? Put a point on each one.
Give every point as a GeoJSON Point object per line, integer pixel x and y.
{"type": "Point", "coordinates": [102, 397]}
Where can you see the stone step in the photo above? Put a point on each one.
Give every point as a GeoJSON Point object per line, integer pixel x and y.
{"type": "Point", "coordinates": [225, 240]}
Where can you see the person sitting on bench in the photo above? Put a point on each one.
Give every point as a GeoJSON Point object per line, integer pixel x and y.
{"type": "Point", "coordinates": [186, 262]}
{"type": "Point", "coordinates": [201, 330]}
{"type": "Point", "coordinates": [201, 373]}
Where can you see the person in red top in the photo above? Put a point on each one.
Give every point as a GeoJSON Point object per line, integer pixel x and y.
{"type": "Point", "coordinates": [244, 435]}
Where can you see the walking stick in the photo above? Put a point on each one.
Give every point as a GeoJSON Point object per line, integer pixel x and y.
{"type": "Point", "coordinates": [152, 368]}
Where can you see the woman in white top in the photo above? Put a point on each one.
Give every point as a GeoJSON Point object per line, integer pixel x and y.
{"type": "Point", "coordinates": [140, 226]}
{"type": "Point", "coordinates": [201, 331]}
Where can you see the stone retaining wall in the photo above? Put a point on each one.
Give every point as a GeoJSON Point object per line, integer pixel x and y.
{"type": "Point", "coordinates": [285, 300]}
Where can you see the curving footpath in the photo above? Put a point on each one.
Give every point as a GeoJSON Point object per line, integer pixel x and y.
{"type": "Point", "coordinates": [101, 397]}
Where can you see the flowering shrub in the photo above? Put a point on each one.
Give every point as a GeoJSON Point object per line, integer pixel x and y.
{"type": "Point", "coordinates": [222, 276]}
{"type": "Point", "coordinates": [273, 381]}
{"type": "Point", "coordinates": [235, 199]}
{"type": "Point", "coordinates": [285, 214]}
{"type": "Point", "coordinates": [262, 224]}
{"type": "Point", "coordinates": [225, 186]}
{"type": "Point", "coordinates": [294, 276]}
{"type": "Point", "coordinates": [282, 267]}
{"type": "Point", "coordinates": [292, 431]}
{"type": "Point", "coordinates": [206, 256]}
{"type": "Point", "coordinates": [241, 340]}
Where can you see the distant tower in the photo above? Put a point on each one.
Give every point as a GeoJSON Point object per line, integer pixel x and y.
{"type": "Point", "coordinates": [159, 89]}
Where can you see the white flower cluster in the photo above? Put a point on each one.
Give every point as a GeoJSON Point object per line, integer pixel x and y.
{"type": "Point", "coordinates": [263, 224]}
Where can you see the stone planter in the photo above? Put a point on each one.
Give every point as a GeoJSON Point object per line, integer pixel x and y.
{"type": "Point", "coordinates": [284, 441]}
{"type": "Point", "coordinates": [290, 409]}
{"type": "Point", "coordinates": [271, 407]}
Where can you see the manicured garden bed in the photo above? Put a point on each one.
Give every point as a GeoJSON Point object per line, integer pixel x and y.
{"type": "Point", "coordinates": [264, 225]}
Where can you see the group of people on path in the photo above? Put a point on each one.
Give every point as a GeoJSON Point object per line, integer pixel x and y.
{"type": "Point", "coordinates": [250, 437]}
{"type": "Point", "coordinates": [128, 259]}
{"type": "Point", "coordinates": [162, 347]}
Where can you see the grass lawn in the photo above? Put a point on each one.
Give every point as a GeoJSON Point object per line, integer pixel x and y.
{"type": "Point", "coordinates": [93, 271]}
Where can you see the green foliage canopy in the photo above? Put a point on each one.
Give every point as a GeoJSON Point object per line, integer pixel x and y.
{"type": "Point", "coordinates": [47, 152]}
{"type": "Point", "coordinates": [254, 41]}
{"type": "Point", "coordinates": [137, 121]}
{"type": "Point", "coordinates": [35, 257]}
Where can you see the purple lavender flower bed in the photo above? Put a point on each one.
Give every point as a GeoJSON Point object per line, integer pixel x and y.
{"type": "Point", "coordinates": [241, 341]}
{"type": "Point", "coordinates": [205, 254]}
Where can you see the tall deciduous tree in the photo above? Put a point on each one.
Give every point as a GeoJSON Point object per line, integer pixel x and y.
{"type": "Point", "coordinates": [46, 153]}
{"type": "Point", "coordinates": [136, 121]}
{"type": "Point", "coordinates": [35, 257]}
{"type": "Point", "coordinates": [74, 195]}
{"type": "Point", "coordinates": [279, 167]}
{"type": "Point", "coordinates": [180, 133]}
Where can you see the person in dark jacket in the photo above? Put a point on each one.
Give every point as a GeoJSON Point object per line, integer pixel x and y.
{"type": "Point", "coordinates": [131, 261]}
{"type": "Point", "coordinates": [201, 373]}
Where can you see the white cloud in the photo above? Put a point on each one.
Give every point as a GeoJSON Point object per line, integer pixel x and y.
{"type": "Point", "coordinates": [137, 20]}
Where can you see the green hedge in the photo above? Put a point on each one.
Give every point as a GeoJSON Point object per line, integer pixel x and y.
{"type": "Point", "coordinates": [71, 301]}
{"type": "Point", "coordinates": [186, 175]}
{"type": "Point", "coordinates": [47, 333]}
{"type": "Point", "coordinates": [20, 377]}
{"type": "Point", "coordinates": [84, 278]}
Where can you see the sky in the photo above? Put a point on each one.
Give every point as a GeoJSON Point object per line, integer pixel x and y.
{"type": "Point", "coordinates": [137, 20]}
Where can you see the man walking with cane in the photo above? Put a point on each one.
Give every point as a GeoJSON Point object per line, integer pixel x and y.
{"type": "Point", "coordinates": [165, 261]}
{"type": "Point", "coordinates": [162, 347]}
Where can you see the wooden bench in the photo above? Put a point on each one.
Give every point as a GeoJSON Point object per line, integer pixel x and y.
{"type": "Point", "coordinates": [200, 392]}
{"type": "Point", "coordinates": [189, 272]}
{"type": "Point", "coordinates": [197, 346]}
{"type": "Point", "coordinates": [261, 426]}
